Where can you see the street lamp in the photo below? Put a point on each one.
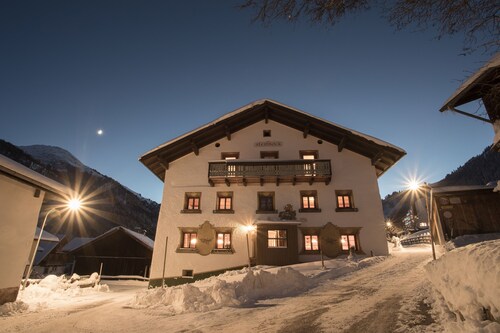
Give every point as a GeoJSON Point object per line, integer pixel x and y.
{"type": "Point", "coordinates": [249, 229]}
{"type": "Point", "coordinates": [73, 205]}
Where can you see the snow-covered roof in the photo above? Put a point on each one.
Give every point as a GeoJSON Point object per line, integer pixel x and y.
{"type": "Point", "coordinates": [33, 178]}
{"type": "Point", "coordinates": [143, 239]}
{"type": "Point", "coordinates": [466, 92]}
{"type": "Point", "coordinates": [462, 188]}
{"type": "Point", "coordinates": [46, 236]}
{"type": "Point", "coordinates": [76, 243]}
{"type": "Point", "coordinates": [44, 250]}
{"type": "Point", "coordinates": [383, 154]}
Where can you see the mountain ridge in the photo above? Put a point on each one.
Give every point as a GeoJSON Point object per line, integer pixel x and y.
{"type": "Point", "coordinates": [109, 203]}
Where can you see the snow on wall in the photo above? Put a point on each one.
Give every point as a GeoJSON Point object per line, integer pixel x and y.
{"type": "Point", "coordinates": [468, 278]}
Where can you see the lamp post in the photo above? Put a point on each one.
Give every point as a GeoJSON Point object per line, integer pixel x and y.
{"type": "Point", "coordinates": [415, 186]}
{"type": "Point", "coordinates": [73, 204]}
{"type": "Point", "coordinates": [249, 229]}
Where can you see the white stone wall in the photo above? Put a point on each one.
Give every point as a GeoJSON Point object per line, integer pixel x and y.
{"type": "Point", "coordinates": [350, 171]}
{"type": "Point", "coordinates": [19, 211]}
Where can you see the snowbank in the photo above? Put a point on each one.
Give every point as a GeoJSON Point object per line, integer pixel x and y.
{"type": "Point", "coordinates": [50, 291]}
{"type": "Point", "coordinates": [468, 279]}
{"type": "Point", "coordinates": [236, 288]}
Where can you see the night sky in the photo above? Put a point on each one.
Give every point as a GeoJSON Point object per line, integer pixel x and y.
{"type": "Point", "coordinates": [146, 72]}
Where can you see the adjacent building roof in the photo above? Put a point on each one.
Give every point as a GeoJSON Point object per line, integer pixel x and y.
{"type": "Point", "coordinates": [461, 188]}
{"type": "Point", "coordinates": [383, 154]}
{"type": "Point", "coordinates": [30, 177]}
{"type": "Point", "coordinates": [473, 88]}
{"type": "Point", "coordinates": [46, 236]}
{"type": "Point", "coordinates": [81, 242]}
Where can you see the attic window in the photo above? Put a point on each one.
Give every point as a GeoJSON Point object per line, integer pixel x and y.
{"type": "Point", "coordinates": [266, 133]}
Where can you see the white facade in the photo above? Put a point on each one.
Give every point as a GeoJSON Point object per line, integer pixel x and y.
{"type": "Point", "coordinates": [21, 195]}
{"type": "Point", "coordinates": [351, 172]}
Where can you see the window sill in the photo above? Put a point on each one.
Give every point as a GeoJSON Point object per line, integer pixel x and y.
{"type": "Point", "coordinates": [310, 210]}
{"type": "Point", "coordinates": [346, 210]}
{"type": "Point", "coordinates": [223, 211]}
{"type": "Point", "coordinates": [191, 211]}
{"type": "Point", "coordinates": [266, 212]}
{"type": "Point", "coordinates": [222, 251]}
{"type": "Point", "coordinates": [186, 250]}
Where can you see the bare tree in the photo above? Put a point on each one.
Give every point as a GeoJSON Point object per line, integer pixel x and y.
{"type": "Point", "coordinates": [477, 20]}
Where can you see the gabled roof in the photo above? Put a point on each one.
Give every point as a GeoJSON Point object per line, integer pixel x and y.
{"type": "Point", "coordinates": [143, 239]}
{"type": "Point", "coordinates": [32, 178]}
{"type": "Point", "coordinates": [383, 154]}
{"type": "Point", "coordinates": [76, 243]}
{"type": "Point", "coordinates": [476, 85]}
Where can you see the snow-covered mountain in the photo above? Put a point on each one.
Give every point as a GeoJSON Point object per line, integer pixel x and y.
{"type": "Point", "coordinates": [109, 204]}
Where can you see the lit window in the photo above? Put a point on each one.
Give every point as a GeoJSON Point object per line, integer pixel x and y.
{"type": "Point", "coordinates": [311, 243]}
{"type": "Point", "coordinates": [308, 201]}
{"type": "Point", "coordinates": [348, 241]}
{"type": "Point", "coordinates": [224, 201]}
{"type": "Point", "coordinates": [223, 240]}
{"type": "Point", "coordinates": [192, 202]}
{"type": "Point", "coordinates": [189, 240]}
{"type": "Point", "coordinates": [309, 168]}
{"type": "Point", "coordinates": [344, 200]}
{"type": "Point", "coordinates": [276, 239]}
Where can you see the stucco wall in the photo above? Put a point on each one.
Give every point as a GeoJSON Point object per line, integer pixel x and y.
{"type": "Point", "coordinates": [351, 171]}
{"type": "Point", "coordinates": [19, 210]}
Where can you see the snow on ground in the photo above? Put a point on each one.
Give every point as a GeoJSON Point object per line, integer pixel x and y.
{"type": "Point", "coordinates": [468, 278]}
{"type": "Point", "coordinates": [362, 295]}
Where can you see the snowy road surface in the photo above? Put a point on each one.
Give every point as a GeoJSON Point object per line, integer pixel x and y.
{"type": "Point", "coordinates": [386, 297]}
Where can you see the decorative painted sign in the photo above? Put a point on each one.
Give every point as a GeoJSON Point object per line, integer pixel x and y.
{"type": "Point", "coordinates": [269, 144]}
{"type": "Point", "coordinates": [329, 238]}
{"type": "Point", "coordinates": [206, 239]}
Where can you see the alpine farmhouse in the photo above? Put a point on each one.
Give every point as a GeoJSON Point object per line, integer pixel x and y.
{"type": "Point", "coordinates": [266, 184]}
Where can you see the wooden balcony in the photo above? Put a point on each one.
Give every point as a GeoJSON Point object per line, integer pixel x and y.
{"type": "Point", "coordinates": [269, 171]}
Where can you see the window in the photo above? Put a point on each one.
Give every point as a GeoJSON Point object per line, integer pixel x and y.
{"type": "Point", "coordinates": [309, 201]}
{"type": "Point", "coordinates": [276, 239]}
{"type": "Point", "coordinates": [230, 156]}
{"type": "Point", "coordinates": [223, 241]}
{"type": "Point", "coordinates": [189, 240]}
{"type": "Point", "coordinates": [311, 242]}
{"type": "Point", "coordinates": [265, 202]}
{"type": "Point", "coordinates": [348, 241]}
{"type": "Point", "coordinates": [309, 168]}
{"type": "Point", "coordinates": [192, 202]}
{"type": "Point", "coordinates": [224, 202]}
{"type": "Point", "coordinates": [269, 154]}
{"type": "Point", "coordinates": [345, 201]}
{"type": "Point", "coordinates": [266, 133]}
{"type": "Point", "coordinates": [231, 169]}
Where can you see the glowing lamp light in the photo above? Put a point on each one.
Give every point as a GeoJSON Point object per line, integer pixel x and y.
{"type": "Point", "coordinates": [220, 242]}
{"type": "Point", "coordinates": [193, 241]}
{"type": "Point", "coordinates": [413, 185]}
{"type": "Point", "coordinates": [74, 204]}
{"type": "Point", "coordinates": [388, 223]}
{"type": "Point", "coordinates": [249, 228]}
{"type": "Point", "coordinates": [314, 240]}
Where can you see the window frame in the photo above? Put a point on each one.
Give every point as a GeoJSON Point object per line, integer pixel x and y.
{"type": "Point", "coordinates": [224, 195]}
{"type": "Point", "coordinates": [227, 250]}
{"type": "Point", "coordinates": [343, 194]}
{"type": "Point", "coordinates": [309, 194]}
{"type": "Point", "coordinates": [270, 154]}
{"type": "Point", "coordinates": [349, 245]}
{"type": "Point", "coordinates": [311, 250]}
{"type": "Point", "coordinates": [195, 196]}
{"type": "Point", "coordinates": [267, 194]}
{"type": "Point", "coordinates": [277, 239]}
{"type": "Point", "coordinates": [192, 247]}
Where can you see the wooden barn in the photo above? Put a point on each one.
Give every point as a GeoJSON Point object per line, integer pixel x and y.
{"type": "Point", "coordinates": [464, 210]}
{"type": "Point", "coordinates": [120, 251]}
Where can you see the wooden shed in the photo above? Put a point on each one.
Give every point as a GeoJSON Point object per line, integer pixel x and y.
{"type": "Point", "coordinates": [464, 210]}
{"type": "Point", "coordinates": [120, 251]}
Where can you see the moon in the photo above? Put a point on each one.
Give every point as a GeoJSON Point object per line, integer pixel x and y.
{"type": "Point", "coordinates": [100, 132]}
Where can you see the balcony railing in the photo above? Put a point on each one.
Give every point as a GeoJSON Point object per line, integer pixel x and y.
{"type": "Point", "coordinates": [266, 171]}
